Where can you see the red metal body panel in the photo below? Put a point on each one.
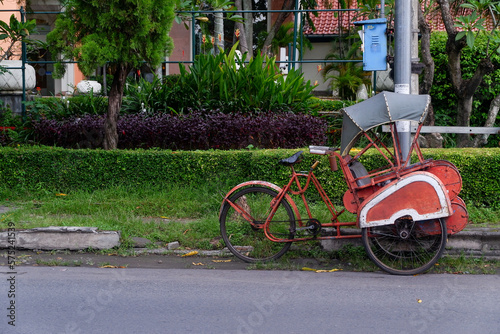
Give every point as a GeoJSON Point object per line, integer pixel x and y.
{"type": "Point", "coordinates": [350, 203]}
{"type": "Point", "coordinates": [459, 219]}
{"type": "Point", "coordinates": [449, 175]}
{"type": "Point", "coordinates": [420, 195]}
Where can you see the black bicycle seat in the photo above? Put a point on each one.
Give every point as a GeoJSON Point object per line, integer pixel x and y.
{"type": "Point", "coordinates": [292, 160]}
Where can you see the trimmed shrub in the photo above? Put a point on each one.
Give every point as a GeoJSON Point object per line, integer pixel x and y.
{"type": "Point", "coordinates": [61, 170]}
{"type": "Point", "coordinates": [196, 130]}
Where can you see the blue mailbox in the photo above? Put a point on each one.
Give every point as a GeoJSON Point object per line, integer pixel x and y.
{"type": "Point", "coordinates": [374, 41]}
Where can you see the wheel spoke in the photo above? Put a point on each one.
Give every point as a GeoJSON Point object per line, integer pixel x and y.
{"type": "Point", "coordinates": [405, 248]}
{"type": "Point", "coordinates": [248, 241]}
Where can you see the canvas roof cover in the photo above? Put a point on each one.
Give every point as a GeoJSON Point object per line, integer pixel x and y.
{"type": "Point", "coordinates": [383, 108]}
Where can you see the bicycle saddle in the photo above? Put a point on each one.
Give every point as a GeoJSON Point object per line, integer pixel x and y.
{"type": "Point", "coordinates": [292, 160]}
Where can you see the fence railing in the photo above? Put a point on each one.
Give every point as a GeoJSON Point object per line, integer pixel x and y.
{"type": "Point", "coordinates": [293, 61]}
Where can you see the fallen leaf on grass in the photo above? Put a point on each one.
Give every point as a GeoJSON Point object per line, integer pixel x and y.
{"type": "Point", "coordinates": [320, 270]}
{"type": "Point", "coordinates": [328, 271]}
{"type": "Point", "coordinates": [217, 261]}
{"type": "Point", "coordinates": [61, 194]}
{"type": "Point", "coordinates": [190, 254]}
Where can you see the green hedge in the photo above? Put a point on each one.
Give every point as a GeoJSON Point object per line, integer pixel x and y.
{"type": "Point", "coordinates": [61, 170]}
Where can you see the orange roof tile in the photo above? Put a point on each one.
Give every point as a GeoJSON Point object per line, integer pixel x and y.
{"type": "Point", "coordinates": [329, 23]}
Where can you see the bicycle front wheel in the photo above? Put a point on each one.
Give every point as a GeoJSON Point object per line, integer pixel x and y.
{"type": "Point", "coordinates": [248, 241]}
{"type": "Point", "coordinates": [406, 247]}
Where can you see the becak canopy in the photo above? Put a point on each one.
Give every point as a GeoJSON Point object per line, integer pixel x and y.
{"type": "Point", "coordinates": [383, 108]}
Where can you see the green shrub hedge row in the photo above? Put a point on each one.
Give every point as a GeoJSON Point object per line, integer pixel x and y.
{"type": "Point", "coordinates": [28, 169]}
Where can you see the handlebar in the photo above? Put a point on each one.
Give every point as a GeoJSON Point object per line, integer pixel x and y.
{"type": "Point", "coordinates": [323, 150]}
{"type": "Point", "coordinates": [315, 165]}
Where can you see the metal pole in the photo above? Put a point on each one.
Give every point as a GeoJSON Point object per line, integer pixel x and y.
{"type": "Point", "coordinates": [23, 67]}
{"type": "Point", "coordinates": [193, 38]}
{"type": "Point", "coordinates": [402, 65]}
{"type": "Point", "coordinates": [414, 46]}
{"type": "Point", "coordinates": [295, 24]}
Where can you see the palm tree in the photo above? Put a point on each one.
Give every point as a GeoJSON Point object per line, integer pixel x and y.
{"type": "Point", "coordinates": [346, 77]}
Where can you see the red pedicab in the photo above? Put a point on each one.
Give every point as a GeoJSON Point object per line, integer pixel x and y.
{"type": "Point", "coordinates": [405, 210]}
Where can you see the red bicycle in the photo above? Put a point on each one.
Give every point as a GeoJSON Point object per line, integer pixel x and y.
{"type": "Point", "coordinates": [405, 211]}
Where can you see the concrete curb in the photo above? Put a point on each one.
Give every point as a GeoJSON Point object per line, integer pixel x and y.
{"type": "Point", "coordinates": [477, 242]}
{"type": "Point", "coordinates": [55, 238]}
{"type": "Point", "coordinates": [480, 242]}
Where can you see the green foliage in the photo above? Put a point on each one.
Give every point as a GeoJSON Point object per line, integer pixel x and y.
{"type": "Point", "coordinates": [119, 32]}
{"type": "Point", "coordinates": [59, 170]}
{"type": "Point", "coordinates": [220, 81]}
{"type": "Point", "coordinates": [444, 99]}
{"type": "Point", "coordinates": [14, 32]}
{"type": "Point", "coordinates": [11, 130]}
{"type": "Point", "coordinates": [150, 97]}
{"type": "Point", "coordinates": [60, 108]}
{"type": "Point", "coordinates": [283, 38]}
{"type": "Point", "coordinates": [346, 77]}
{"type": "Point", "coordinates": [331, 105]}
{"type": "Point", "coordinates": [469, 24]}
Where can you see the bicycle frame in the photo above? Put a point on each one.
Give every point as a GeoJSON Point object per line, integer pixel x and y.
{"type": "Point", "coordinates": [284, 194]}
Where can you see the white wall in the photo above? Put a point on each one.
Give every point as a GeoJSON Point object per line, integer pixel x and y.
{"type": "Point", "coordinates": [310, 70]}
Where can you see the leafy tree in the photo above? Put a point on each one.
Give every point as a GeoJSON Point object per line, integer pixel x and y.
{"type": "Point", "coordinates": [122, 33]}
{"type": "Point", "coordinates": [287, 7]}
{"type": "Point", "coordinates": [346, 77]}
{"type": "Point", "coordinates": [12, 34]}
{"type": "Point", "coordinates": [462, 31]}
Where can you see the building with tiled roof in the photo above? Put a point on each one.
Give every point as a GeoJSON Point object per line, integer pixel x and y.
{"type": "Point", "coordinates": [335, 23]}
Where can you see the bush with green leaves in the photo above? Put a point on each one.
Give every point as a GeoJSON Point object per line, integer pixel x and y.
{"type": "Point", "coordinates": [231, 85]}
{"type": "Point", "coordinates": [150, 97]}
{"type": "Point", "coordinates": [444, 100]}
{"type": "Point", "coordinates": [29, 169]}
{"type": "Point", "coordinates": [59, 108]}
{"type": "Point", "coordinates": [10, 126]}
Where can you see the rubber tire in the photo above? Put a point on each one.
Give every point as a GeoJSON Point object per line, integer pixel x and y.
{"type": "Point", "coordinates": [232, 224]}
{"type": "Point", "coordinates": [405, 262]}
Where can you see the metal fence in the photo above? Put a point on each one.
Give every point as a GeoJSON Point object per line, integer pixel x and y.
{"type": "Point", "coordinates": [294, 61]}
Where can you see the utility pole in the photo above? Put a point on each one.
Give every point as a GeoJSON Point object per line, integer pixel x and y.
{"type": "Point", "coordinates": [402, 65]}
{"type": "Point", "coordinates": [414, 89]}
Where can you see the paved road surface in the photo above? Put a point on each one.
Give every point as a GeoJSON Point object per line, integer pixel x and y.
{"type": "Point", "coordinates": [57, 300]}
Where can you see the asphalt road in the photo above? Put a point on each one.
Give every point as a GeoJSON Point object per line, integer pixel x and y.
{"type": "Point", "coordinates": [90, 300]}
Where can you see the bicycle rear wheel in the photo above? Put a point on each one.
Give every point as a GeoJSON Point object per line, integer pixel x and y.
{"type": "Point", "coordinates": [406, 247]}
{"type": "Point", "coordinates": [249, 242]}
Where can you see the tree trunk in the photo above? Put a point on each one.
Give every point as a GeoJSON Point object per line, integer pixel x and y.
{"type": "Point", "coordinates": [287, 5]}
{"type": "Point", "coordinates": [434, 140]}
{"type": "Point", "coordinates": [114, 106]}
{"type": "Point", "coordinates": [219, 31]}
{"type": "Point", "coordinates": [490, 121]}
{"type": "Point", "coordinates": [425, 48]}
{"type": "Point", "coordinates": [242, 28]}
{"type": "Point", "coordinates": [465, 95]}
{"type": "Point", "coordinates": [464, 89]}
{"type": "Point", "coordinates": [247, 5]}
